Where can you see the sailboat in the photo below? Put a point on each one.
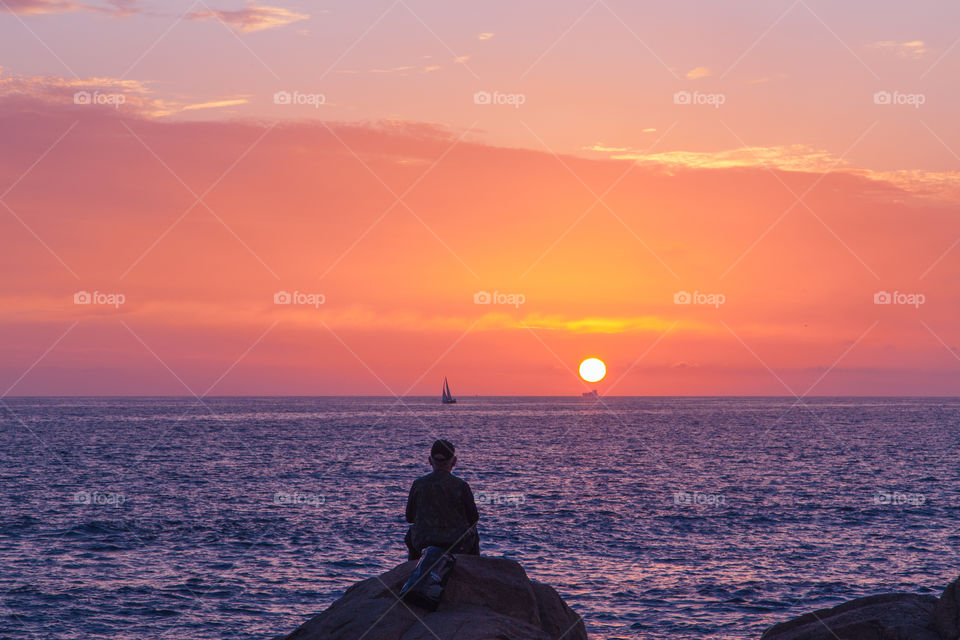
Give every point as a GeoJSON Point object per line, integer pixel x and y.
{"type": "Point", "coordinates": [447, 398]}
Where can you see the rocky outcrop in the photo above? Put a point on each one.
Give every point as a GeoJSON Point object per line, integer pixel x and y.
{"type": "Point", "coordinates": [946, 615]}
{"type": "Point", "coordinates": [485, 599]}
{"type": "Point", "coordinates": [883, 617]}
{"type": "Point", "coordinates": [891, 616]}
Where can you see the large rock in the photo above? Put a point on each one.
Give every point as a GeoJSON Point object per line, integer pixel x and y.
{"type": "Point", "coordinates": [946, 615]}
{"type": "Point", "coordinates": [891, 616]}
{"type": "Point", "coordinates": [485, 599]}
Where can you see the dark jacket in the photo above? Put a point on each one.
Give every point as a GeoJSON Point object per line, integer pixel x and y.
{"type": "Point", "coordinates": [441, 509]}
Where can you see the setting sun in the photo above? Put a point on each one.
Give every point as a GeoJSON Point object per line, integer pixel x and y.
{"type": "Point", "coordinates": [593, 370]}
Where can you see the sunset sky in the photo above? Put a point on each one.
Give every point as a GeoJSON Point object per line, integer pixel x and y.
{"type": "Point", "coordinates": [588, 164]}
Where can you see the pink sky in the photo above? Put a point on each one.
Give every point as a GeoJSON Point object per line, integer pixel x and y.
{"type": "Point", "coordinates": [147, 153]}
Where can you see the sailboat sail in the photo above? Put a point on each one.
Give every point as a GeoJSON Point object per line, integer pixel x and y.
{"type": "Point", "coordinates": [447, 397]}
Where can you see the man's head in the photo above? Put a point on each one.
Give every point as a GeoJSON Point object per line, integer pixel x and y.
{"type": "Point", "coordinates": [442, 456]}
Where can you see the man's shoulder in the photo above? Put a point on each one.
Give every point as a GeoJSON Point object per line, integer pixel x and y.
{"type": "Point", "coordinates": [459, 481]}
{"type": "Point", "coordinates": [419, 481]}
{"type": "Point", "coordinates": [428, 478]}
{"type": "Point", "coordinates": [438, 478]}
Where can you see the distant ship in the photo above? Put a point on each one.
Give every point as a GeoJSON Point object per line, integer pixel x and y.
{"type": "Point", "coordinates": [447, 398]}
{"type": "Point", "coordinates": [591, 394]}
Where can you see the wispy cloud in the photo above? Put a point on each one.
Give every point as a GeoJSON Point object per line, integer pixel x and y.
{"type": "Point", "coordinates": [402, 70]}
{"type": "Point", "coordinates": [54, 89]}
{"type": "Point", "coordinates": [601, 324]}
{"type": "Point", "coordinates": [914, 49]}
{"type": "Point", "coordinates": [393, 69]}
{"type": "Point", "coordinates": [252, 18]}
{"type": "Point", "coordinates": [765, 79]}
{"type": "Point", "coordinates": [138, 97]}
{"type": "Point", "coordinates": [484, 36]}
{"type": "Point", "coordinates": [697, 73]}
{"type": "Point", "coordinates": [944, 185]}
{"type": "Point", "coordinates": [115, 8]}
{"type": "Point", "coordinates": [40, 7]}
{"type": "Point", "coordinates": [786, 157]}
{"type": "Point", "coordinates": [217, 104]}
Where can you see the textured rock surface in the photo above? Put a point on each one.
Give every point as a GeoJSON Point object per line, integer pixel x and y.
{"type": "Point", "coordinates": [891, 616]}
{"type": "Point", "coordinates": [946, 615]}
{"type": "Point", "coordinates": [485, 599]}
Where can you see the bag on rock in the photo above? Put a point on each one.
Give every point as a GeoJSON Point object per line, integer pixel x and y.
{"type": "Point", "coordinates": [425, 586]}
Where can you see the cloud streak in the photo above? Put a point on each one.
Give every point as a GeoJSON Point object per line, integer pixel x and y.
{"type": "Point", "coordinates": [40, 7]}
{"type": "Point", "coordinates": [913, 49]}
{"type": "Point", "coordinates": [138, 98]}
{"type": "Point", "coordinates": [252, 18]}
{"type": "Point", "coordinates": [247, 20]}
{"type": "Point", "coordinates": [941, 185]}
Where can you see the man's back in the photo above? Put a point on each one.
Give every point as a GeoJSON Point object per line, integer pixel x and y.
{"type": "Point", "coordinates": [441, 508]}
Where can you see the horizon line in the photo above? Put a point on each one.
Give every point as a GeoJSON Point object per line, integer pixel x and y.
{"type": "Point", "coordinates": [432, 396]}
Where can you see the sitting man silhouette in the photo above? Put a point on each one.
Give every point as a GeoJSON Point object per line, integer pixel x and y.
{"type": "Point", "coordinates": [441, 508]}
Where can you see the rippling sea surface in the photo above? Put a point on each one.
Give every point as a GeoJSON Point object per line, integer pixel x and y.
{"type": "Point", "coordinates": [240, 518]}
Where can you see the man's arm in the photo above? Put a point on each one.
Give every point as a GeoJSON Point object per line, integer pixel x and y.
{"type": "Point", "coordinates": [412, 505]}
{"type": "Point", "coordinates": [469, 505]}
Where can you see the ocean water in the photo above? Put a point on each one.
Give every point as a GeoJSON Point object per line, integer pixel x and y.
{"type": "Point", "coordinates": [657, 518]}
